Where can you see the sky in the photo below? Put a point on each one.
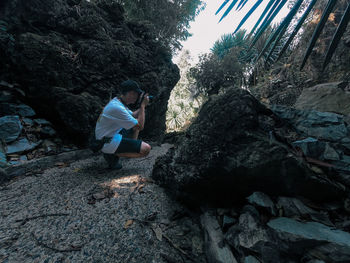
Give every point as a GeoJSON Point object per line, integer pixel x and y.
{"type": "Point", "coordinates": [206, 29]}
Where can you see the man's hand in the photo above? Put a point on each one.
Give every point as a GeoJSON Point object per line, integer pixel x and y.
{"type": "Point", "coordinates": [145, 100]}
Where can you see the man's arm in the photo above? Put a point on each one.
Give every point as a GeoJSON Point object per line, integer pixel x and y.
{"type": "Point", "coordinates": [135, 114]}
{"type": "Point", "coordinates": [141, 117]}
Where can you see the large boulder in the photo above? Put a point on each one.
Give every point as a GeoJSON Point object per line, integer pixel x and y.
{"type": "Point", "coordinates": [69, 56]}
{"type": "Point", "coordinates": [331, 97]}
{"type": "Point", "coordinates": [230, 152]}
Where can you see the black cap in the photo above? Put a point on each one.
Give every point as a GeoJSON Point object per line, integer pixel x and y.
{"type": "Point", "coordinates": [130, 85]}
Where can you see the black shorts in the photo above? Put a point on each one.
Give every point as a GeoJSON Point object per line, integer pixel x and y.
{"type": "Point", "coordinates": [128, 145]}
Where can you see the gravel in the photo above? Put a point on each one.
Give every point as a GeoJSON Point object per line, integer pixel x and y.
{"type": "Point", "coordinates": [84, 212]}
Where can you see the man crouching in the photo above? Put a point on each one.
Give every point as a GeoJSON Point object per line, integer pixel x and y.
{"type": "Point", "coordinates": [119, 127]}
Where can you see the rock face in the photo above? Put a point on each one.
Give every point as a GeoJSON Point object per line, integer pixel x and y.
{"type": "Point", "coordinates": [327, 137]}
{"type": "Point", "coordinates": [322, 125]}
{"type": "Point", "coordinates": [70, 55]}
{"type": "Point", "coordinates": [20, 146]}
{"type": "Point", "coordinates": [328, 244]}
{"type": "Point", "coordinates": [229, 152]}
{"type": "Point", "coordinates": [296, 235]}
{"type": "Point", "coordinates": [330, 97]}
{"type": "Point", "coordinates": [10, 128]}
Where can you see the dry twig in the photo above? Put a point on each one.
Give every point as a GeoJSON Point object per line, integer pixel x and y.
{"type": "Point", "coordinates": [73, 248]}
{"type": "Point", "coordinates": [25, 220]}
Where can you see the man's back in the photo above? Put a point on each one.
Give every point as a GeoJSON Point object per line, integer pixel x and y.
{"type": "Point", "coordinates": [114, 117]}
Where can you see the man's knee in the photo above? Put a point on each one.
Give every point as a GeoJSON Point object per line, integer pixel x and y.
{"type": "Point", "coordinates": [145, 149]}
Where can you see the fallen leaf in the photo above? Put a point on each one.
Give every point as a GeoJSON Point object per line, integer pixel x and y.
{"type": "Point", "coordinates": [316, 169]}
{"type": "Point", "coordinates": [99, 196]}
{"type": "Point", "coordinates": [140, 188]}
{"type": "Point", "coordinates": [158, 231]}
{"type": "Point", "coordinates": [76, 170]}
{"type": "Point", "coordinates": [128, 223]}
{"type": "Point", "coordinates": [61, 164]}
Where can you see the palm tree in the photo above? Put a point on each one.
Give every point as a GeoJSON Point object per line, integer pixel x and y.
{"type": "Point", "coordinates": [174, 120]}
{"type": "Point", "coordinates": [272, 9]}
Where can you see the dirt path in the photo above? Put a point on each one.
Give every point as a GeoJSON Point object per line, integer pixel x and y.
{"type": "Point", "coordinates": [86, 213]}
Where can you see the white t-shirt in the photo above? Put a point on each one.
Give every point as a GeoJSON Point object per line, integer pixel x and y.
{"type": "Point", "coordinates": [114, 117]}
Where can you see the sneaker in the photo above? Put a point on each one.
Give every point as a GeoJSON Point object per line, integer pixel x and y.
{"type": "Point", "coordinates": [113, 161]}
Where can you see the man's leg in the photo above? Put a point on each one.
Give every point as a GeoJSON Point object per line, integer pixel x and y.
{"type": "Point", "coordinates": [113, 161]}
{"type": "Point", "coordinates": [144, 151]}
{"type": "Point", "coordinates": [132, 148]}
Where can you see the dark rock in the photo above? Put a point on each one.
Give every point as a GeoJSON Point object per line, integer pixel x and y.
{"type": "Point", "coordinates": [3, 160]}
{"type": "Point", "coordinates": [80, 54]}
{"type": "Point", "coordinates": [47, 131]}
{"type": "Point", "coordinates": [5, 96]}
{"type": "Point", "coordinates": [49, 146]}
{"type": "Point", "coordinates": [28, 122]}
{"type": "Point", "coordinates": [343, 165]}
{"type": "Point", "coordinates": [42, 122]}
{"type": "Point", "coordinates": [311, 147]}
{"type": "Point", "coordinates": [250, 235]}
{"type": "Point", "coordinates": [10, 128]}
{"type": "Point", "coordinates": [227, 153]}
{"type": "Point", "coordinates": [25, 111]}
{"type": "Point", "coordinates": [227, 222]}
{"type": "Point", "coordinates": [216, 249]}
{"type": "Point", "coordinates": [16, 109]}
{"type": "Point", "coordinates": [262, 200]}
{"type": "Point", "coordinates": [322, 125]}
{"type": "Point", "coordinates": [325, 242]}
{"type": "Point", "coordinates": [21, 146]}
{"type": "Point", "coordinates": [293, 207]}
{"type": "Point", "coordinates": [343, 178]}
{"type": "Point", "coordinates": [251, 259]}
{"type": "Point", "coordinates": [251, 210]}
{"type": "Point", "coordinates": [47, 162]}
{"type": "Point", "coordinates": [3, 176]}
{"type": "Point", "coordinates": [330, 253]}
{"type": "Point", "coordinates": [330, 153]}
{"type": "Point", "coordinates": [7, 109]}
{"type": "Point", "coordinates": [328, 97]}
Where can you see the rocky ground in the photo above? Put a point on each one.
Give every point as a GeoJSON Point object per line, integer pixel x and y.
{"type": "Point", "coordinates": [84, 212]}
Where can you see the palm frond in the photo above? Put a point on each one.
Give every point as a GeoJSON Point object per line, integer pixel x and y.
{"type": "Point", "coordinates": [337, 36]}
{"type": "Point", "coordinates": [222, 6]}
{"type": "Point", "coordinates": [318, 29]}
{"type": "Point", "coordinates": [264, 25]}
{"type": "Point", "coordinates": [282, 28]}
{"type": "Point", "coordinates": [297, 28]}
{"type": "Point", "coordinates": [228, 9]}
{"type": "Point", "coordinates": [272, 8]}
{"type": "Point", "coordinates": [255, 6]}
{"type": "Point", "coordinates": [275, 44]}
{"type": "Point", "coordinates": [246, 1]}
{"type": "Point", "coordinates": [241, 4]}
{"type": "Point", "coordinates": [267, 8]}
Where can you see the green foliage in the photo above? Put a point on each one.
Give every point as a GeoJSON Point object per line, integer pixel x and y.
{"type": "Point", "coordinates": [183, 104]}
{"type": "Point", "coordinates": [213, 73]}
{"type": "Point", "coordinates": [227, 41]}
{"type": "Point", "coordinates": [270, 12]}
{"type": "Point", "coordinates": [169, 19]}
{"type": "Point", "coordinates": [231, 63]}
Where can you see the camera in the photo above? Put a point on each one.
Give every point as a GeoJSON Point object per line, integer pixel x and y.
{"type": "Point", "coordinates": [141, 98]}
